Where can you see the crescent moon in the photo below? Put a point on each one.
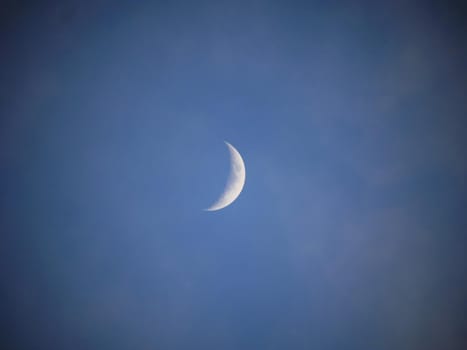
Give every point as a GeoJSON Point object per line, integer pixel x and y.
{"type": "Point", "coordinates": [235, 182]}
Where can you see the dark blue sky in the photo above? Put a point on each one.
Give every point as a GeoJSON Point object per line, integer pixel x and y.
{"type": "Point", "coordinates": [350, 231]}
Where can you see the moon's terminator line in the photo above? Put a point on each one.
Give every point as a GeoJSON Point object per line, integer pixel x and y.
{"type": "Point", "coordinates": [235, 182]}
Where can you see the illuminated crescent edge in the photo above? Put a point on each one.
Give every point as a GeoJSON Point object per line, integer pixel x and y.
{"type": "Point", "coordinates": [235, 181]}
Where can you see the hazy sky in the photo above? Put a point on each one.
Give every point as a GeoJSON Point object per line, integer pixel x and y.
{"type": "Point", "coordinates": [350, 232]}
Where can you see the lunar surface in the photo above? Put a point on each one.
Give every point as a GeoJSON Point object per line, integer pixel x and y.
{"type": "Point", "coordinates": [235, 182]}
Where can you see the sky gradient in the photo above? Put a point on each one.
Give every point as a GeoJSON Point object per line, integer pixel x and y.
{"type": "Point", "coordinates": [350, 232]}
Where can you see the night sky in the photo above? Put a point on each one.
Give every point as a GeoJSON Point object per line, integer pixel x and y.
{"type": "Point", "coordinates": [350, 233]}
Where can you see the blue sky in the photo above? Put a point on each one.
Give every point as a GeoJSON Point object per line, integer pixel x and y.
{"type": "Point", "coordinates": [349, 233]}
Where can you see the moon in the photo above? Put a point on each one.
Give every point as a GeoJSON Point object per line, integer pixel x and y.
{"type": "Point", "coordinates": [235, 182]}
